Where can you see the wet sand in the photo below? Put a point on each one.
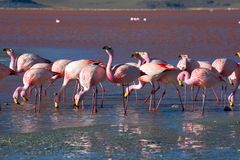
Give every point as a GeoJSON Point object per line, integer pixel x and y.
{"type": "Point", "coordinates": [166, 134]}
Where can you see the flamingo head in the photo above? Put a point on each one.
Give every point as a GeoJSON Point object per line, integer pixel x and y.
{"type": "Point", "coordinates": [108, 49]}
{"type": "Point", "coordinates": [141, 56]}
{"type": "Point", "coordinates": [238, 54]}
{"type": "Point", "coordinates": [9, 51]}
{"type": "Point", "coordinates": [181, 56]}
{"type": "Point", "coordinates": [182, 64]}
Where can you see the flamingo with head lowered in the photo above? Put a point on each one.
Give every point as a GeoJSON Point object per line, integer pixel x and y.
{"type": "Point", "coordinates": [162, 72]}
{"type": "Point", "coordinates": [201, 77]}
{"type": "Point", "coordinates": [89, 77]}
{"type": "Point", "coordinates": [23, 62]}
{"type": "Point", "coordinates": [34, 77]}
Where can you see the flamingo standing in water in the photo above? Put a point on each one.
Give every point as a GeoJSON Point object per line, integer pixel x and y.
{"type": "Point", "coordinates": [168, 76]}
{"type": "Point", "coordinates": [23, 62]}
{"type": "Point", "coordinates": [33, 78]}
{"type": "Point", "coordinates": [225, 67]}
{"type": "Point", "coordinates": [123, 74]}
{"type": "Point", "coordinates": [72, 71]}
{"type": "Point", "coordinates": [234, 80]}
{"type": "Point", "coordinates": [188, 64]}
{"type": "Point", "coordinates": [90, 76]}
{"type": "Point", "coordinates": [201, 77]}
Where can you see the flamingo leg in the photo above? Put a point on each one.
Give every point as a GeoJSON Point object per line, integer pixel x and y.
{"type": "Point", "coordinates": [76, 88]}
{"type": "Point", "coordinates": [152, 98]}
{"type": "Point", "coordinates": [49, 85]}
{"type": "Point", "coordinates": [203, 100]}
{"type": "Point", "coordinates": [222, 93]}
{"type": "Point", "coordinates": [198, 88]}
{"type": "Point", "coordinates": [192, 93]}
{"type": "Point", "coordinates": [215, 94]}
{"type": "Point", "coordinates": [39, 97]}
{"type": "Point", "coordinates": [123, 100]}
{"type": "Point", "coordinates": [103, 93]}
{"type": "Point", "coordinates": [158, 87]}
{"type": "Point", "coordinates": [135, 91]}
{"type": "Point", "coordinates": [126, 98]}
{"type": "Point", "coordinates": [179, 95]}
{"type": "Point", "coordinates": [64, 95]}
{"type": "Point", "coordinates": [185, 95]}
{"type": "Point", "coordinates": [30, 92]}
{"type": "Point", "coordinates": [94, 100]}
{"type": "Point", "coordinates": [35, 103]}
{"type": "Point", "coordinates": [160, 100]}
{"type": "Point", "coordinates": [225, 95]}
{"type": "Point", "coordinates": [59, 94]}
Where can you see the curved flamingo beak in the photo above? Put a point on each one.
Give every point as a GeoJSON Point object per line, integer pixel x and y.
{"type": "Point", "coordinates": [230, 82]}
{"type": "Point", "coordinates": [56, 105]}
{"type": "Point", "coordinates": [126, 94]}
{"type": "Point", "coordinates": [24, 99]}
{"type": "Point", "coordinates": [180, 83]}
{"type": "Point", "coordinates": [106, 47]}
{"type": "Point", "coordinates": [77, 102]}
{"type": "Point", "coordinates": [230, 104]}
{"type": "Point", "coordinates": [134, 54]}
{"type": "Point", "coordinates": [15, 100]}
{"type": "Point", "coordinates": [183, 56]}
{"type": "Point", "coordinates": [237, 54]}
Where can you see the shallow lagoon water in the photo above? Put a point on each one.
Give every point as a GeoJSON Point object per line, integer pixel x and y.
{"type": "Point", "coordinates": [166, 134]}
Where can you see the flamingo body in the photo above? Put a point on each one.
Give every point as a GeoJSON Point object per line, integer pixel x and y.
{"type": "Point", "coordinates": [224, 66]}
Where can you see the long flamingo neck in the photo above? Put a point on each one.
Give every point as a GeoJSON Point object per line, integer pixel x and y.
{"type": "Point", "coordinates": [109, 65]}
{"type": "Point", "coordinates": [16, 92]}
{"type": "Point", "coordinates": [187, 78]}
{"type": "Point", "coordinates": [13, 61]}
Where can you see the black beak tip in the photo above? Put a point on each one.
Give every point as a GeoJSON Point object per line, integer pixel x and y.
{"type": "Point", "coordinates": [4, 49]}
{"type": "Point", "coordinates": [106, 47]}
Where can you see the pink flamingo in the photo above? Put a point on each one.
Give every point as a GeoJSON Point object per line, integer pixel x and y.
{"type": "Point", "coordinates": [46, 66]}
{"type": "Point", "coordinates": [201, 77]}
{"type": "Point", "coordinates": [188, 64]}
{"type": "Point", "coordinates": [168, 76]}
{"type": "Point", "coordinates": [33, 78]}
{"type": "Point", "coordinates": [144, 58]}
{"type": "Point", "coordinates": [23, 62]}
{"type": "Point", "coordinates": [234, 80]}
{"type": "Point", "coordinates": [58, 66]}
{"type": "Point", "coordinates": [153, 71]}
{"type": "Point", "coordinates": [224, 66]}
{"type": "Point", "coordinates": [123, 74]}
{"type": "Point", "coordinates": [72, 71]}
{"type": "Point", "coordinates": [90, 76]}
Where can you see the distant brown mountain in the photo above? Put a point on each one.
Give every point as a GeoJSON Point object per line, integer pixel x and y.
{"type": "Point", "coordinates": [20, 4]}
{"type": "Point", "coordinates": [120, 4]}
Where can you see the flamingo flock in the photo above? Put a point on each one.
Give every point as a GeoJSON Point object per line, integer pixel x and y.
{"type": "Point", "coordinates": [89, 74]}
